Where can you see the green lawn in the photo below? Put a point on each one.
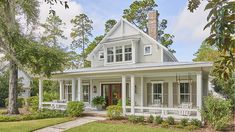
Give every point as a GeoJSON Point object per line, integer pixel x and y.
{"type": "Point", "coordinates": [103, 127]}
{"type": "Point", "coordinates": [26, 126]}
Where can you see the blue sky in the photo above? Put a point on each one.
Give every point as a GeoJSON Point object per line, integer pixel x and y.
{"type": "Point", "coordinates": [187, 27]}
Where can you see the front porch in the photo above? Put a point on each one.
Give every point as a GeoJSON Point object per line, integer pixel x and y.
{"type": "Point", "coordinates": [164, 93]}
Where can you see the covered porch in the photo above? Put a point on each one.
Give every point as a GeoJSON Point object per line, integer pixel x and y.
{"type": "Point", "coordinates": [176, 94]}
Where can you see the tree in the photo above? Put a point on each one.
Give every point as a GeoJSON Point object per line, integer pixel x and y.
{"type": "Point", "coordinates": [109, 25]}
{"type": "Point", "coordinates": [165, 38]}
{"type": "Point", "coordinates": [52, 31]}
{"type": "Point", "coordinates": [81, 31]}
{"type": "Point", "coordinates": [221, 24]}
{"type": "Point", "coordinates": [4, 88]}
{"type": "Point", "coordinates": [20, 50]}
{"type": "Point", "coordinates": [137, 14]}
{"type": "Point", "coordinates": [206, 53]}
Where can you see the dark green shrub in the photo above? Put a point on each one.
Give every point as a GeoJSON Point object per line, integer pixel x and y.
{"type": "Point", "coordinates": [150, 119]}
{"type": "Point", "coordinates": [20, 102]}
{"type": "Point", "coordinates": [170, 120]}
{"type": "Point", "coordinates": [165, 124]}
{"type": "Point", "coordinates": [184, 122]}
{"type": "Point", "coordinates": [132, 119]}
{"type": "Point", "coordinates": [196, 122]}
{"type": "Point", "coordinates": [114, 112]}
{"type": "Point", "coordinates": [98, 100]}
{"type": "Point", "coordinates": [158, 120]}
{"type": "Point", "coordinates": [136, 119]}
{"type": "Point", "coordinates": [191, 127]}
{"type": "Point", "coordinates": [217, 112]}
{"type": "Point", "coordinates": [179, 126]}
{"type": "Point", "coordinates": [32, 103]}
{"type": "Point", "coordinates": [75, 108]}
{"type": "Point", "coordinates": [140, 119]}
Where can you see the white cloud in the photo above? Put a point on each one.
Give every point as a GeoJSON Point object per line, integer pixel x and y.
{"type": "Point", "coordinates": [65, 14]}
{"type": "Point", "coordinates": [189, 26]}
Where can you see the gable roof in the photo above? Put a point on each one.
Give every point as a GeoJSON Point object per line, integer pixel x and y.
{"type": "Point", "coordinates": [120, 23]}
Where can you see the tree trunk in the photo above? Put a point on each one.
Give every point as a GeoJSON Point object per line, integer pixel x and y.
{"type": "Point", "coordinates": [13, 81]}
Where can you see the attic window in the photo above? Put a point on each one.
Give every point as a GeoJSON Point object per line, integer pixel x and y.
{"type": "Point", "coordinates": [147, 49]}
{"type": "Point", "coordinates": [101, 55]}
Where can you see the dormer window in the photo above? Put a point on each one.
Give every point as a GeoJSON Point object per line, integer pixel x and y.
{"type": "Point", "coordinates": [128, 53]}
{"type": "Point", "coordinates": [147, 49]}
{"type": "Point", "coordinates": [101, 55]}
{"type": "Point", "coordinates": [118, 53]}
{"type": "Point", "coordinates": [110, 54]}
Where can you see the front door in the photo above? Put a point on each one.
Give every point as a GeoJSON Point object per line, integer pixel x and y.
{"type": "Point", "coordinates": [112, 93]}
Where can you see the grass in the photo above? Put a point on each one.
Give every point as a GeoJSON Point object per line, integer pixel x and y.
{"type": "Point", "coordinates": [27, 126]}
{"type": "Point", "coordinates": [102, 127]}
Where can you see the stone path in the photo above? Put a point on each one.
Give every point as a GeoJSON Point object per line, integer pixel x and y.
{"type": "Point", "coordinates": [67, 125]}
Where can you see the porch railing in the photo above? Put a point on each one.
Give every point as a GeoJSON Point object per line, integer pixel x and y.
{"type": "Point", "coordinates": [164, 112]}
{"type": "Point", "coordinates": [54, 105]}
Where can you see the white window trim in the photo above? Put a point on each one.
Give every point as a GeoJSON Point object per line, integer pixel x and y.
{"type": "Point", "coordinates": [158, 82]}
{"type": "Point", "coordinates": [190, 90]}
{"type": "Point", "coordinates": [150, 49]}
{"type": "Point", "coordinates": [101, 52]}
{"type": "Point", "coordinates": [67, 93]}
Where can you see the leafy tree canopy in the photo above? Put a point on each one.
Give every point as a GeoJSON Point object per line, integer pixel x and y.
{"type": "Point", "coordinates": [109, 25]}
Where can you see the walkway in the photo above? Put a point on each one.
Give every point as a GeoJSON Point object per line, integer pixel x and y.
{"type": "Point", "coordinates": [67, 125]}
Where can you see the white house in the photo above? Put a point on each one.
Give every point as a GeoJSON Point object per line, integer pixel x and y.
{"type": "Point", "coordinates": [129, 64]}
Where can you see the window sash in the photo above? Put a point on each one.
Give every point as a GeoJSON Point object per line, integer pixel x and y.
{"type": "Point", "coordinates": [86, 93]}
{"type": "Point", "coordinates": [185, 95]}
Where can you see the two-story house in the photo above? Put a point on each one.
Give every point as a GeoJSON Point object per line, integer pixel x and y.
{"type": "Point", "coordinates": [130, 65]}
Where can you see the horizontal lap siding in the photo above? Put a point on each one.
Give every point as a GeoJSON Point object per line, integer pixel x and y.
{"type": "Point", "coordinates": [149, 93]}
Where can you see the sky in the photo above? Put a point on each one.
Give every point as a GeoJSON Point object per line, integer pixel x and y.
{"type": "Point", "coordinates": [185, 26]}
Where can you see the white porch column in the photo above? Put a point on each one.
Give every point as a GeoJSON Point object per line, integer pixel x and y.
{"type": "Point", "coordinates": [61, 90]}
{"type": "Point", "coordinates": [73, 89]}
{"type": "Point", "coordinates": [40, 93]}
{"type": "Point", "coordinates": [79, 88]}
{"type": "Point", "coordinates": [91, 86]}
{"type": "Point", "coordinates": [132, 94]}
{"type": "Point", "coordinates": [142, 92]}
{"type": "Point", "coordinates": [170, 94]}
{"type": "Point", "coordinates": [124, 94]}
{"type": "Point", "coordinates": [199, 94]}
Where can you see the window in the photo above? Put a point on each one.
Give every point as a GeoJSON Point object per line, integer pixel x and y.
{"type": "Point", "coordinates": [118, 53]}
{"type": "Point", "coordinates": [68, 91]}
{"type": "Point", "coordinates": [85, 93]}
{"type": "Point", "coordinates": [147, 50]}
{"type": "Point", "coordinates": [110, 54]}
{"type": "Point", "coordinates": [184, 93]}
{"type": "Point", "coordinates": [128, 53]}
{"type": "Point", "coordinates": [101, 55]}
{"type": "Point", "coordinates": [157, 93]}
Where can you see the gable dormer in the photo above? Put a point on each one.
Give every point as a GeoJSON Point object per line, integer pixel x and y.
{"type": "Point", "coordinates": [126, 44]}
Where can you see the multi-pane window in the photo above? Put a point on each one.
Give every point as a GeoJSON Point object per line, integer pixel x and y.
{"type": "Point", "coordinates": [68, 91]}
{"type": "Point", "coordinates": [110, 54]}
{"type": "Point", "coordinates": [128, 53]}
{"type": "Point", "coordinates": [85, 93]}
{"type": "Point", "coordinates": [157, 93]}
{"type": "Point", "coordinates": [118, 53]}
{"type": "Point", "coordinates": [184, 93]}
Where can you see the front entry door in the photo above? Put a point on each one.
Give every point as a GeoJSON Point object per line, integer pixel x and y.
{"type": "Point", "coordinates": [112, 93]}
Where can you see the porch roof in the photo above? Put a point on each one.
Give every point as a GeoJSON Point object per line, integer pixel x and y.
{"type": "Point", "coordinates": [137, 67]}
